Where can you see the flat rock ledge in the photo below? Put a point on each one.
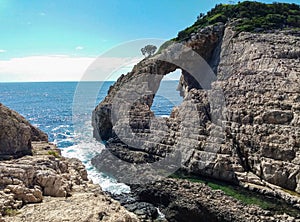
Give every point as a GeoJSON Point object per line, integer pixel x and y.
{"type": "Point", "coordinates": [48, 187]}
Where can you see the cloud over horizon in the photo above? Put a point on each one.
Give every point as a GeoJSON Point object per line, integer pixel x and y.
{"type": "Point", "coordinates": [61, 68]}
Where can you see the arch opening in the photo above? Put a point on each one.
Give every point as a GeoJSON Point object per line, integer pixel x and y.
{"type": "Point", "coordinates": [167, 96]}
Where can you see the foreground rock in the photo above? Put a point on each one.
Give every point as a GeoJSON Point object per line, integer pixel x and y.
{"type": "Point", "coordinates": [16, 134]}
{"type": "Point", "coordinates": [145, 211]}
{"type": "Point", "coordinates": [87, 205]}
{"type": "Point", "coordinates": [57, 187]}
{"type": "Point", "coordinates": [184, 201]}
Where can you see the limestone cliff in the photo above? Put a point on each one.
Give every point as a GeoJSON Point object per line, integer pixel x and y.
{"type": "Point", "coordinates": [244, 127]}
{"type": "Point", "coordinates": [16, 134]}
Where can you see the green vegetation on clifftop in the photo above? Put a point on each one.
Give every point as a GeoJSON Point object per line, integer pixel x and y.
{"type": "Point", "coordinates": [250, 16]}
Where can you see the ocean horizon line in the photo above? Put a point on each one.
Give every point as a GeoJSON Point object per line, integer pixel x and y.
{"type": "Point", "coordinates": [165, 80]}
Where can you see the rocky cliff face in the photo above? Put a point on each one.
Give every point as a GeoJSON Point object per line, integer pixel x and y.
{"type": "Point", "coordinates": [16, 134]}
{"type": "Point", "coordinates": [243, 124]}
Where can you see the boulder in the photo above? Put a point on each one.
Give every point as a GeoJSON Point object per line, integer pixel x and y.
{"type": "Point", "coordinates": [277, 117]}
{"type": "Point", "coordinates": [49, 187]}
{"type": "Point", "coordinates": [16, 134]}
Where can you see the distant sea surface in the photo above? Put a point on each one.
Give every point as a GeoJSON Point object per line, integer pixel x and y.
{"type": "Point", "coordinates": [50, 106]}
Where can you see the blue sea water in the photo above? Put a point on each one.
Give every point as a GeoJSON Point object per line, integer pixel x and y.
{"type": "Point", "coordinates": [63, 110]}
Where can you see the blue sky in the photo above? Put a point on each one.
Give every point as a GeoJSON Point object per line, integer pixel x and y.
{"type": "Point", "coordinates": [36, 27]}
{"type": "Point", "coordinates": [73, 29]}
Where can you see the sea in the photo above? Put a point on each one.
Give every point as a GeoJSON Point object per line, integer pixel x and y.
{"type": "Point", "coordinates": [63, 110]}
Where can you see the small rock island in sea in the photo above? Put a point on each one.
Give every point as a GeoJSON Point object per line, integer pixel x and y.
{"type": "Point", "coordinates": [237, 133]}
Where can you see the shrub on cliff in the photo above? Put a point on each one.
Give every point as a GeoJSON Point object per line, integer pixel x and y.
{"type": "Point", "coordinates": [148, 50]}
{"type": "Point", "coordinates": [252, 16]}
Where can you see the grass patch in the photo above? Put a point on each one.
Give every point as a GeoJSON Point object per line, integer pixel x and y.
{"type": "Point", "coordinates": [165, 45]}
{"type": "Point", "coordinates": [234, 192]}
{"type": "Point", "coordinates": [10, 212]}
{"type": "Point", "coordinates": [54, 153]}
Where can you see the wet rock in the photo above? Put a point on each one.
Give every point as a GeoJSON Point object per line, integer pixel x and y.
{"type": "Point", "coordinates": [185, 201]}
{"type": "Point", "coordinates": [145, 211]}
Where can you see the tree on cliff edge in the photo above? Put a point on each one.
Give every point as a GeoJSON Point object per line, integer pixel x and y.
{"type": "Point", "coordinates": [148, 50]}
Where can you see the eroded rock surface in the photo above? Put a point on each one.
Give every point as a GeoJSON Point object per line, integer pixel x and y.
{"type": "Point", "coordinates": [16, 134]}
{"type": "Point", "coordinates": [91, 205]}
{"type": "Point", "coordinates": [57, 187]}
{"type": "Point", "coordinates": [244, 128]}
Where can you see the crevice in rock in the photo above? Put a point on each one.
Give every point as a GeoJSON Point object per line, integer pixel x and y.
{"type": "Point", "coordinates": [216, 56]}
{"type": "Point", "coordinates": [243, 157]}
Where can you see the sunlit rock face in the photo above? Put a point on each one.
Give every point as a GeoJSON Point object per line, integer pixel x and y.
{"type": "Point", "coordinates": [60, 186]}
{"type": "Point", "coordinates": [16, 134]}
{"type": "Point", "coordinates": [243, 128]}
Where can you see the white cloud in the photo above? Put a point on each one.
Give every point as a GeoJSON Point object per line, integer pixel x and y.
{"type": "Point", "coordinates": [2, 50]}
{"type": "Point", "coordinates": [61, 68]}
{"type": "Point", "coordinates": [44, 68]}
{"type": "Point", "coordinates": [79, 48]}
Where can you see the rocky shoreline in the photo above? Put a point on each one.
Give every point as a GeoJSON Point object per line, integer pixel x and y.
{"type": "Point", "coordinates": [41, 185]}
{"type": "Point", "coordinates": [49, 187]}
{"type": "Point", "coordinates": [44, 186]}
{"type": "Point", "coordinates": [181, 200]}
{"type": "Point", "coordinates": [238, 123]}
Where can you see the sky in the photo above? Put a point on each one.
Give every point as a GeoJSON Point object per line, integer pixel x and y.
{"type": "Point", "coordinates": [58, 40]}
